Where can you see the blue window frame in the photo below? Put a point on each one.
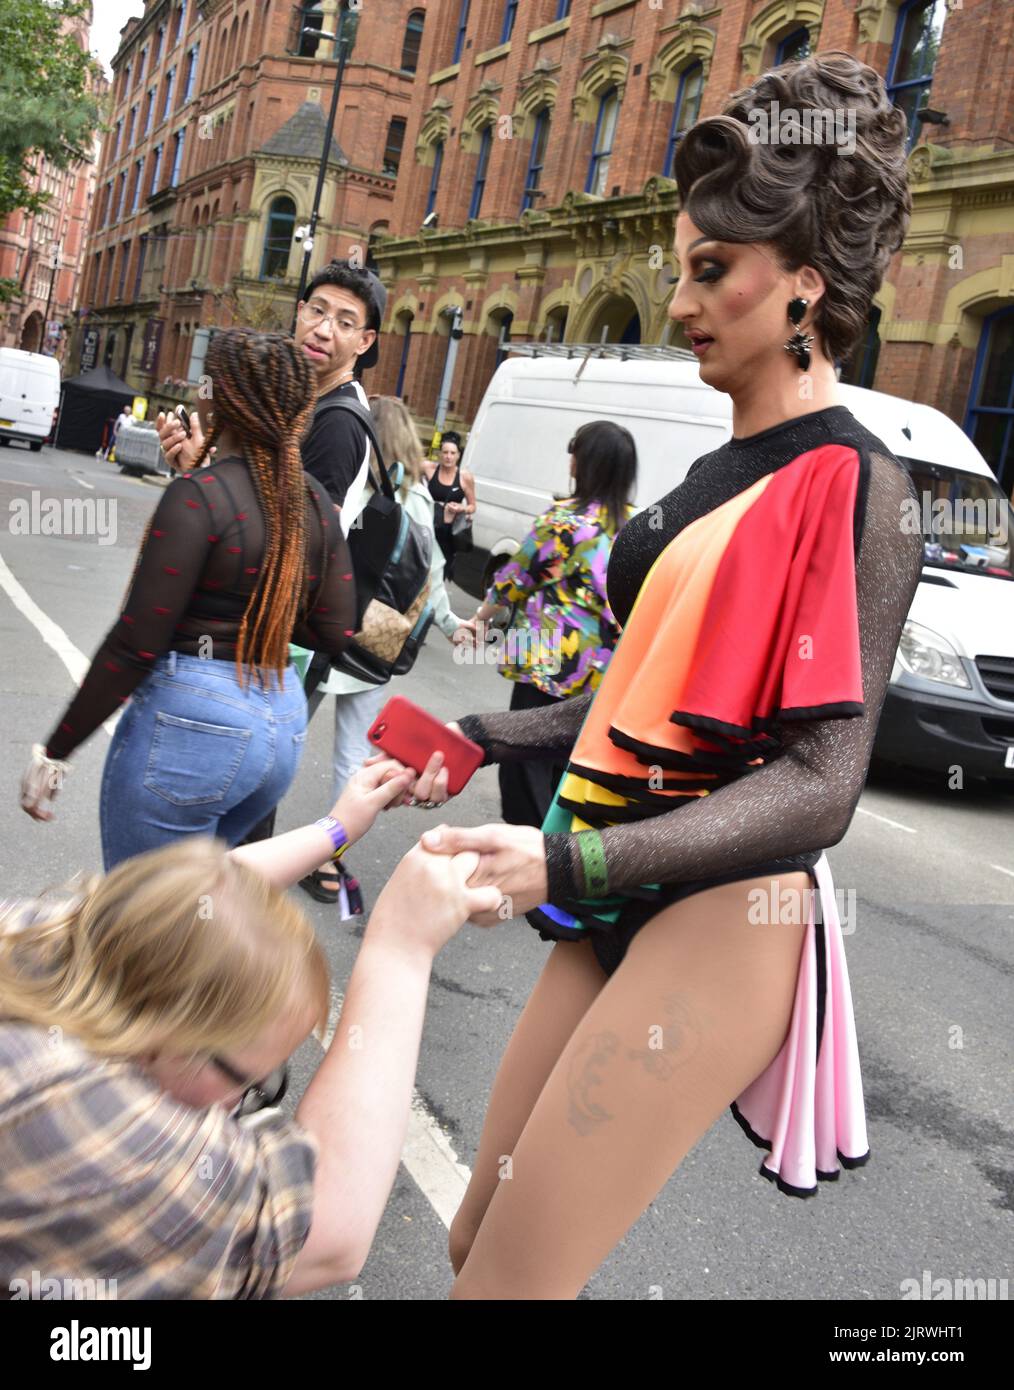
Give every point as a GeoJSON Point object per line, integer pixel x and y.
{"type": "Point", "coordinates": [605, 130]}
{"type": "Point", "coordinates": [438, 159]}
{"type": "Point", "coordinates": [116, 139]}
{"type": "Point", "coordinates": [913, 58]}
{"type": "Point", "coordinates": [794, 46]}
{"type": "Point", "coordinates": [510, 14]}
{"type": "Point", "coordinates": [562, 9]}
{"type": "Point", "coordinates": [138, 177]}
{"type": "Point", "coordinates": [174, 177]}
{"type": "Point", "coordinates": [479, 186]}
{"type": "Point", "coordinates": [122, 196]}
{"type": "Point", "coordinates": [170, 79]}
{"type": "Point", "coordinates": [685, 110]}
{"type": "Point", "coordinates": [536, 159]}
{"type": "Point", "coordinates": [192, 57]}
{"type": "Point", "coordinates": [990, 419]}
{"type": "Point", "coordinates": [459, 41]}
{"type": "Point", "coordinates": [130, 129]}
{"type": "Point", "coordinates": [156, 169]}
{"type": "Point", "coordinates": [150, 112]}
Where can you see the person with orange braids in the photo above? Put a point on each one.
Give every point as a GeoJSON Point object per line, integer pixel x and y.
{"type": "Point", "coordinates": [240, 558]}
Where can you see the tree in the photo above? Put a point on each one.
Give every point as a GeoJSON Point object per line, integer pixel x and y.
{"type": "Point", "coordinates": [47, 106]}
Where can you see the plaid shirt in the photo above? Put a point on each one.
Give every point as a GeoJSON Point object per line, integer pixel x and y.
{"type": "Point", "coordinates": [104, 1176]}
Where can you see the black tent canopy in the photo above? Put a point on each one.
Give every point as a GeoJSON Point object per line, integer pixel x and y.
{"type": "Point", "coordinates": [86, 403]}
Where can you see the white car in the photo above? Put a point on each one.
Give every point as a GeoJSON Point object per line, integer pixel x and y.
{"type": "Point", "coordinates": [29, 396]}
{"type": "Point", "coordinates": [951, 698]}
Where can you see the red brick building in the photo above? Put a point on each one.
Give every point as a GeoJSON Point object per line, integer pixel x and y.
{"type": "Point", "coordinates": [541, 203]}
{"type": "Point", "coordinates": [218, 115]}
{"type": "Point", "coordinates": [44, 251]}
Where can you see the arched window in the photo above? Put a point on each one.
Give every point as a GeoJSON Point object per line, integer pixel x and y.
{"type": "Point", "coordinates": [605, 130]}
{"type": "Point", "coordinates": [537, 159]}
{"type": "Point", "coordinates": [278, 239]}
{"type": "Point", "coordinates": [412, 40]}
{"type": "Point", "coordinates": [685, 110]}
{"type": "Point", "coordinates": [990, 422]}
{"type": "Point", "coordinates": [242, 54]}
{"type": "Point", "coordinates": [914, 56]}
{"type": "Point", "coordinates": [793, 47]}
{"type": "Point", "coordinates": [407, 335]}
{"type": "Point", "coordinates": [479, 187]}
{"type": "Point", "coordinates": [503, 322]}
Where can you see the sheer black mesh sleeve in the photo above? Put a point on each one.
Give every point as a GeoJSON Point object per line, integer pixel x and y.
{"type": "Point", "coordinates": [804, 800]}
{"type": "Point", "coordinates": [196, 570]}
{"type": "Point", "coordinates": [515, 735]}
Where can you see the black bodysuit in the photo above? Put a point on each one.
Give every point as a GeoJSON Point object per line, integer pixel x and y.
{"type": "Point", "coordinates": [783, 815]}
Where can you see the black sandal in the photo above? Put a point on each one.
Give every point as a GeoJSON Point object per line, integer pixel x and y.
{"type": "Point", "coordinates": [314, 885]}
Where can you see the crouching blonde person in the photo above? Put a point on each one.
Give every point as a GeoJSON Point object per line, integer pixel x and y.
{"type": "Point", "coordinates": [141, 1014]}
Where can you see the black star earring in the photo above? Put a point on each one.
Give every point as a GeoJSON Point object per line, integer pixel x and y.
{"type": "Point", "coordinates": [800, 343]}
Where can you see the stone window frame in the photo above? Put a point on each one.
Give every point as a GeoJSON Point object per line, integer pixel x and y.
{"type": "Point", "coordinates": [776, 21]}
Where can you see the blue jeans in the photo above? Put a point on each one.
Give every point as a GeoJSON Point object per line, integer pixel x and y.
{"type": "Point", "coordinates": [196, 754]}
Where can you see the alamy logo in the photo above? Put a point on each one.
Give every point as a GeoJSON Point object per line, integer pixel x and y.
{"type": "Point", "coordinates": [64, 516]}
{"type": "Point", "coordinates": [814, 126]}
{"type": "Point", "coordinates": [968, 1290]}
{"type": "Point", "coordinates": [38, 1287]}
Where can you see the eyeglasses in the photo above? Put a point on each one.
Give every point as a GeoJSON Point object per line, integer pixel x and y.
{"type": "Point", "coordinates": [258, 1095]}
{"type": "Point", "coordinates": [316, 313]}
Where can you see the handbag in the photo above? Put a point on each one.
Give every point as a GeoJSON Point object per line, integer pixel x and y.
{"type": "Point", "coordinates": [461, 533]}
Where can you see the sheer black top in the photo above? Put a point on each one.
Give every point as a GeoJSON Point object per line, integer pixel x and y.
{"type": "Point", "coordinates": [196, 572]}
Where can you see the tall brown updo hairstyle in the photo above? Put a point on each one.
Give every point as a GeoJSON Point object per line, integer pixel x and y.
{"type": "Point", "coordinates": [264, 391]}
{"type": "Point", "coordinates": [842, 212]}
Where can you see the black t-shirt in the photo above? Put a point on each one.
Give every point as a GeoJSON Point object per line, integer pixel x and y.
{"type": "Point", "coordinates": [335, 446]}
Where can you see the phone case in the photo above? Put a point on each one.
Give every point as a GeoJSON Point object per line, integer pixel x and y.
{"type": "Point", "coordinates": [407, 732]}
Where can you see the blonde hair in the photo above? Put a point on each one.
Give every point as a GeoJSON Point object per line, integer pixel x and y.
{"type": "Point", "coordinates": [183, 948]}
{"type": "Point", "coordinates": [398, 437]}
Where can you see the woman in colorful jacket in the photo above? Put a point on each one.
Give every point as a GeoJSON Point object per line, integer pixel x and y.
{"type": "Point", "coordinates": [562, 633]}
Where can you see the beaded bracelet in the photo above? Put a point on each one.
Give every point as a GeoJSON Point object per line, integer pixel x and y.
{"type": "Point", "coordinates": [338, 833]}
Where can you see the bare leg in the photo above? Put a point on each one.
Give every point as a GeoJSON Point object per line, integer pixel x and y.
{"type": "Point", "coordinates": [570, 981]}
{"type": "Point", "coordinates": [697, 1010]}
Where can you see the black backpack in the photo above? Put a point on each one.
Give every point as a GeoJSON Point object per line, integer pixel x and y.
{"type": "Point", "coordinates": [391, 558]}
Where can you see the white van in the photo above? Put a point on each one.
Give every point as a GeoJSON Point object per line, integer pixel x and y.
{"type": "Point", "coordinates": [29, 396]}
{"type": "Point", "coordinates": [951, 699]}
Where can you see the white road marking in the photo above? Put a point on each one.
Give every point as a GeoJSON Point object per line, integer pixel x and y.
{"type": "Point", "coordinates": [896, 823]}
{"type": "Point", "coordinates": [83, 481]}
{"type": "Point", "coordinates": [76, 662]}
{"type": "Point", "coordinates": [428, 1154]}
{"type": "Point", "coordinates": [1001, 870]}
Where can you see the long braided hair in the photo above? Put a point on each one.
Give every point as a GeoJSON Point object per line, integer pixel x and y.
{"type": "Point", "coordinates": [265, 391]}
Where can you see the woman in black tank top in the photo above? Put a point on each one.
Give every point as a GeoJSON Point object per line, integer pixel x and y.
{"type": "Point", "coordinates": [452, 496]}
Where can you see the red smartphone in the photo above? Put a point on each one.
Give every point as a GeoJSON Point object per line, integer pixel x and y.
{"type": "Point", "coordinates": [405, 731]}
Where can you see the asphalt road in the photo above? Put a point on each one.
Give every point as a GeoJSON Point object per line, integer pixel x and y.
{"type": "Point", "coordinates": [930, 959]}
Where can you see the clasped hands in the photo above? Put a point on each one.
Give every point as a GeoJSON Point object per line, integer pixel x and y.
{"type": "Point", "coordinates": [512, 858]}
